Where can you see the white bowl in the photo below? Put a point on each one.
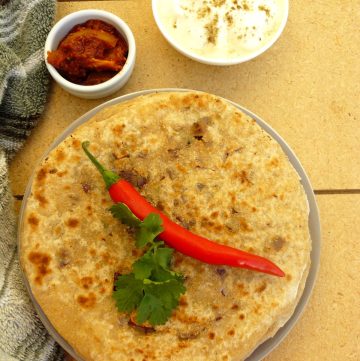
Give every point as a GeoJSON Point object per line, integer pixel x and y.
{"type": "Point", "coordinates": [218, 61]}
{"type": "Point", "coordinates": [61, 29]}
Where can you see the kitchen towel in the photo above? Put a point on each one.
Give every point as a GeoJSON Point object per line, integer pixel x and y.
{"type": "Point", "coordinates": [24, 25]}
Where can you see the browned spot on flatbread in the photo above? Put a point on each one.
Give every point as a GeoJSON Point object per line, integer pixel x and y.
{"type": "Point", "coordinates": [60, 155]}
{"type": "Point", "coordinates": [231, 332]}
{"type": "Point", "coordinates": [235, 306]}
{"type": "Point", "coordinates": [228, 165]}
{"type": "Point", "coordinates": [274, 162]}
{"type": "Point", "coordinates": [160, 206]}
{"type": "Point", "coordinates": [278, 243]}
{"type": "Point", "coordinates": [218, 228]}
{"type": "Point", "coordinates": [183, 301]}
{"type": "Point", "coordinates": [242, 290]}
{"type": "Point", "coordinates": [181, 316]}
{"type": "Point", "coordinates": [198, 129]}
{"type": "Point", "coordinates": [205, 222]}
{"type": "Point", "coordinates": [257, 309]}
{"type": "Point", "coordinates": [288, 277]}
{"type": "Point", "coordinates": [117, 130]}
{"type": "Point", "coordinates": [181, 168]}
{"type": "Point", "coordinates": [189, 335]}
{"type": "Point", "coordinates": [201, 102]}
{"type": "Point", "coordinates": [41, 261]}
{"type": "Point", "coordinates": [87, 301]}
{"type": "Point", "coordinates": [242, 316]}
{"type": "Point", "coordinates": [211, 335]}
{"type": "Point", "coordinates": [244, 178]}
{"type": "Point", "coordinates": [186, 101]}
{"type": "Point", "coordinates": [86, 282]}
{"type": "Point", "coordinates": [41, 199]}
{"type": "Point", "coordinates": [41, 175]}
{"type": "Point", "coordinates": [72, 222]}
{"type": "Point", "coordinates": [33, 221]}
{"type": "Point", "coordinates": [214, 214]}
{"type": "Point", "coordinates": [107, 258]}
{"type": "Point", "coordinates": [183, 344]}
{"type": "Point", "coordinates": [244, 204]}
{"type": "Point", "coordinates": [261, 288]}
{"type": "Point", "coordinates": [237, 116]}
{"type": "Point", "coordinates": [86, 187]}
{"type": "Point", "coordinates": [75, 158]}
{"type": "Point", "coordinates": [62, 173]}
{"type": "Point", "coordinates": [76, 143]}
{"type": "Point", "coordinates": [63, 257]}
{"type": "Point", "coordinates": [232, 197]}
{"type": "Point", "coordinates": [244, 226]}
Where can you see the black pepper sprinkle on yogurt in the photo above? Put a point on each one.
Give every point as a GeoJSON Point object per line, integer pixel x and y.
{"type": "Point", "coordinates": [222, 28]}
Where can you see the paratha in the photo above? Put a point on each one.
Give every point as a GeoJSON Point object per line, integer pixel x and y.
{"type": "Point", "coordinates": [209, 167]}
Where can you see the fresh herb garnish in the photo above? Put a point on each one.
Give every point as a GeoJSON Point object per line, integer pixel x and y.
{"type": "Point", "coordinates": [152, 288]}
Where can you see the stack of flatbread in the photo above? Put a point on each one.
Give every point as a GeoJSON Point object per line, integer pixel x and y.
{"type": "Point", "coordinates": [210, 168]}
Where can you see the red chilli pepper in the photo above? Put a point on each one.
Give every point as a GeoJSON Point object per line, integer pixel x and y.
{"type": "Point", "coordinates": [176, 236]}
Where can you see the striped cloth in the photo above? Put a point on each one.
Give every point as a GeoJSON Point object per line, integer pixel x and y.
{"type": "Point", "coordinates": [24, 25]}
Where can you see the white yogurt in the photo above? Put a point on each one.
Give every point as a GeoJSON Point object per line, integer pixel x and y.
{"type": "Point", "coordinates": [222, 28]}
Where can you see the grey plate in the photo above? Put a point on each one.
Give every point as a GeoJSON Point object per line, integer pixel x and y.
{"type": "Point", "coordinates": [314, 226]}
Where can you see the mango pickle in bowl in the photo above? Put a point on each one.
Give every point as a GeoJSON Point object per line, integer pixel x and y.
{"type": "Point", "coordinates": [90, 53]}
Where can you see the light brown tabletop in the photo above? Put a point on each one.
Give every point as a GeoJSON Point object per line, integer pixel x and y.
{"type": "Point", "coordinates": [307, 87]}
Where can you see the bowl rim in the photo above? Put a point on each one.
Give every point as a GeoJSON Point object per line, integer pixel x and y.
{"type": "Point", "coordinates": [220, 61]}
{"type": "Point", "coordinates": [88, 14]}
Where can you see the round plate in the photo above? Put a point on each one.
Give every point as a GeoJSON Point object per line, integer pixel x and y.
{"type": "Point", "coordinates": [314, 225]}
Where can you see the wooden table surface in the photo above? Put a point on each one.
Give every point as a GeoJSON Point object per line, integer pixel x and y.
{"type": "Point", "coordinates": [307, 87]}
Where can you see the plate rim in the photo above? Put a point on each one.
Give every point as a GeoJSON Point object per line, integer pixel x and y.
{"type": "Point", "coordinates": [266, 347]}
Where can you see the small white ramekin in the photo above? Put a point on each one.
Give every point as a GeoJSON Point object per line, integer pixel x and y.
{"type": "Point", "coordinates": [218, 61]}
{"type": "Point", "coordinates": [61, 29]}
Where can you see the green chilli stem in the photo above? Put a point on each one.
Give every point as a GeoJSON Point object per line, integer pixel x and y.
{"type": "Point", "coordinates": [109, 177]}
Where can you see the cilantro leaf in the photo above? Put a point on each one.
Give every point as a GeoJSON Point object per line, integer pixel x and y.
{"type": "Point", "coordinates": [148, 229]}
{"type": "Point", "coordinates": [163, 256]}
{"type": "Point", "coordinates": [154, 265]}
{"type": "Point", "coordinates": [128, 292]}
{"type": "Point", "coordinates": [159, 301]}
{"type": "Point", "coordinates": [144, 266]}
{"type": "Point", "coordinates": [152, 289]}
{"type": "Point", "coordinates": [169, 291]}
{"type": "Point", "coordinates": [151, 308]}
{"type": "Point", "coordinates": [161, 275]}
{"type": "Point", "coordinates": [122, 212]}
{"type": "Point", "coordinates": [153, 300]}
